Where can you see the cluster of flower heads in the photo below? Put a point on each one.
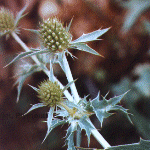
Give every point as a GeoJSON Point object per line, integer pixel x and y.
{"type": "Point", "coordinates": [56, 38]}
{"type": "Point", "coordinates": [54, 35]}
{"type": "Point", "coordinates": [7, 22]}
{"type": "Point", "coordinates": [50, 93]}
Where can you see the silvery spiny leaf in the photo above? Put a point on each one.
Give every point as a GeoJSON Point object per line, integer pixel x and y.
{"type": "Point", "coordinates": [85, 124]}
{"type": "Point", "coordinates": [86, 48]}
{"type": "Point", "coordinates": [49, 121]}
{"type": "Point", "coordinates": [70, 135]}
{"type": "Point", "coordinates": [53, 125]}
{"type": "Point", "coordinates": [86, 104]}
{"type": "Point", "coordinates": [27, 54]}
{"type": "Point", "coordinates": [20, 15]}
{"type": "Point", "coordinates": [34, 31]}
{"type": "Point", "coordinates": [92, 36]}
{"type": "Point", "coordinates": [62, 112]}
{"type": "Point", "coordinates": [35, 106]}
{"type": "Point", "coordinates": [142, 145]}
{"type": "Point", "coordinates": [26, 71]}
{"type": "Point", "coordinates": [102, 108]}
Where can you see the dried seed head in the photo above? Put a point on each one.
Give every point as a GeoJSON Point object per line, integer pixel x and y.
{"type": "Point", "coordinates": [54, 35]}
{"type": "Point", "coordinates": [7, 21]}
{"type": "Point", "coordinates": [50, 93]}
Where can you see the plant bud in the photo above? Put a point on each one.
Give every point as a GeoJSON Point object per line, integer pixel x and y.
{"type": "Point", "coordinates": [7, 21]}
{"type": "Point", "coordinates": [50, 93]}
{"type": "Point", "coordinates": [54, 35]}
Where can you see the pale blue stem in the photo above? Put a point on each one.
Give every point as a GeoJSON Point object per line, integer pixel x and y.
{"type": "Point", "coordinates": [78, 136]}
{"type": "Point", "coordinates": [70, 79]}
{"type": "Point", "coordinates": [98, 136]}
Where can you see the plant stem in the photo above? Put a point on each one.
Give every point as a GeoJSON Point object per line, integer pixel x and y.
{"type": "Point", "coordinates": [99, 137]}
{"type": "Point", "coordinates": [95, 133]}
{"type": "Point", "coordinates": [70, 79]}
{"type": "Point", "coordinates": [23, 45]}
{"type": "Point", "coordinates": [78, 136]}
{"type": "Point", "coordinates": [69, 110]}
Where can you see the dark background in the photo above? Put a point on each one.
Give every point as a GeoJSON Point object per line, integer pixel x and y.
{"type": "Point", "coordinates": [126, 65]}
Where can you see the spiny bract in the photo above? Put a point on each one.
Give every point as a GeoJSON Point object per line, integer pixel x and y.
{"type": "Point", "coordinates": [54, 35]}
{"type": "Point", "coordinates": [7, 21]}
{"type": "Point", "coordinates": [50, 93]}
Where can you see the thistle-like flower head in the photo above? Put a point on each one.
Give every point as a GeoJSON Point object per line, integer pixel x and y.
{"type": "Point", "coordinates": [50, 93]}
{"type": "Point", "coordinates": [7, 20]}
{"type": "Point", "coordinates": [55, 37]}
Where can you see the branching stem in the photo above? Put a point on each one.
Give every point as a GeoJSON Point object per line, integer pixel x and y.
{"type": "Point", "coordinates": [23, 45]}
{"type": "Point", "coordinates": [95, 133]}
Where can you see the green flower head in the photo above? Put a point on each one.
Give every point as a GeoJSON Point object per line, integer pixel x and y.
{"type": "Point", "coordinates": [7, 20]}
{"type": "Point", "coordinates": [54, 35]}
{"type": "Point", "coordinates": [50, 93]}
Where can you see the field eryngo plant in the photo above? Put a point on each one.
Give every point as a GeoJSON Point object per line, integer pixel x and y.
{"type": "Point", "coordinates": [73, 109]}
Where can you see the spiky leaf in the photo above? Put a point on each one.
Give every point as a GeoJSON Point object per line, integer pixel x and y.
{"type": "Point", "coordinates": [85, 124]}
{"type": "Point", "coordinates": [73, 105]}
{"type": "Point", "coordinates": [70, 142]}
{"type": "Point", "coordinates": [49, 121]}
{"type": "Point", "coordinates": [90, 36]}
{"type": "Point", "coordinates": [34, 31]}
{"type": "Point", "coordinates": [121, 109]}
{"type": "Point", "coordinates": [86, 48]}
{"type": "Point", "coordinates": [27, 54]}
{"type": "Point", "coordinates": [115, 100]}
{"type": "Point", "coordinates": [37, 52]}
{"type": "Point", "coordinates": [142, 145]}
{"type": "Point", "coordinates": [102, 108]}
{"type": "Point", "coordinates": [54, 124]}
{"type": "Point", "coordinates": [86, 104]}
{"type": "Point", "coordinates": [60, 60]}
{"type": "Point", "coordinates": [22, 78]}
{"type": "Point", "coordinates": [62, 112]}
{"type": "Point", "coordinates": [19, 15]}
{"type": "Point", "coordinates": [70, 135]}
{"type": "Point", "coordinates": [68, 27]}
{"type": "Point", "coordinates": [35, 106]}
{"type": "Point", "coordinates": [21, 55]}
{"type": "Point", "coordinates": [34, 88]}
{"type": "Point", "coordinates": [68, 85]}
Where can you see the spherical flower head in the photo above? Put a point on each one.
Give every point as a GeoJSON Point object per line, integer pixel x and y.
{"type": "Point", "coordinates": [50, 93]}
{"type": "Point", "coordinates": [54, 35]}
{"type": "Point", "coordinates": [7, 21]}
